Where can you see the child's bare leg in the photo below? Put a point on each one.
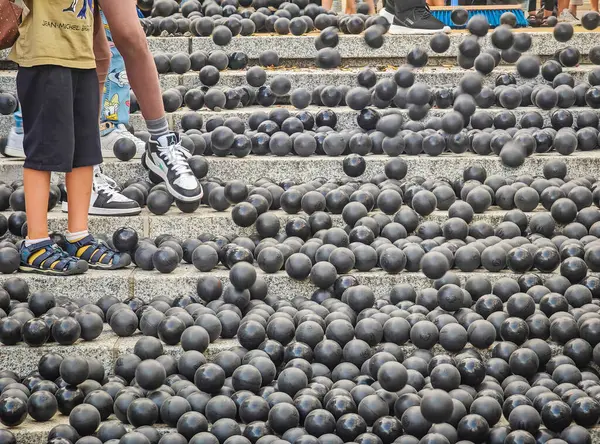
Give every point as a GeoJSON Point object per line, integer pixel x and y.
{"type": "Point", "coordinates": [327, 4]}
{"type": "Point", "coordinates": [79, 191]}
{"type": "Point", "coordinates": [37, 190]}
{"type": "Point", "coordinates": [350, 7]}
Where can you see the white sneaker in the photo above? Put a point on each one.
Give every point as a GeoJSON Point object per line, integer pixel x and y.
{"type": "Point", "coordinates": [106, 199]}
{"type": "Point", "coordinates": [169, 160]}
{"type": "Point", "coordinates": [119, 131]}
{"type": "Point", "coordinates": [566, 16]}
{"type": "Point", "coordinates": [14, 145]}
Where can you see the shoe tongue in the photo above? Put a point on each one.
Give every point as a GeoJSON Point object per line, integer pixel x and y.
{"type": "Point", "coordinates": [167, 140]}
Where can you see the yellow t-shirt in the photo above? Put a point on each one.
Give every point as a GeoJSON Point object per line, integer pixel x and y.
{"type": "Point", "coordinates": [56, 32]}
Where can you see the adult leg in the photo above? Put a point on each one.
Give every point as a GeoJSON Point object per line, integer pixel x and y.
{"type": "Point", "coordinates": [101, 51]}
{"type": "Point", "coordinates": [130, 39]}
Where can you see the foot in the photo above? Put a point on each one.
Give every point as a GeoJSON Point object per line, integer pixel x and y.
{"type": "Point", "coordinates": [106, 199]}
{"type": "Point", "coordinates": [417, 21]}
{"type": "Point", "coordinates": [168, 159]}
{"type": "Point", "coordinates": [47, 258]}
{"type": "Point", "coordinates": [110, 133]}
{"type": "Point", "coordinates": [97, 254]}
{"type": "Point", "coordinates": [566, 16]}
{"type": "Point", "coordinates": [14, 145]}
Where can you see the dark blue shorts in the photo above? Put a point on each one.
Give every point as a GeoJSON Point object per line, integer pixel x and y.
{"type": "Point", "coordinates": [60, 109]}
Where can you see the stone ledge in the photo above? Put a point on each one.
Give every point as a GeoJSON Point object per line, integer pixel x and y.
{"type": "Point", "coordinates": [346, 116]}
{"type": "Point", "coordinates": [303, 169]}
{"type": "Point", "coordinates": [311, 78]}
{"type": "Point", "coordinates": [107, 348]}
{"type": "Point", "coordinates": [207, 220]}
{"type": "Point", "coordinates": [132, 282]}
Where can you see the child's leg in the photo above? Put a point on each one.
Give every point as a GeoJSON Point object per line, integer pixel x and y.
{"type": "Point", "coordinates": [18, 121]}
{"type": "Point", "coordinates": [37, 190]}
{"type": "Point", "coordinates": [327, 4]}
{"type": "Point", "coordinates": [45, 93]}
{"type": "Point", "coordinates": [79, 193]}
{"type": "Point", "coordinates": [117, 93]}
{"type": "Point", "coordinates": [87, 153]}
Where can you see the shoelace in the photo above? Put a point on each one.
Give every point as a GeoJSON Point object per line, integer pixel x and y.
{"type": "Point", "coordinates": [105, 185]}
{"type": "Point", "coordinates": [175, 157]}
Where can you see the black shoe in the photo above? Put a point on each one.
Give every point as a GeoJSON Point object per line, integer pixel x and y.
{"type": "Point", "coordinates": [418, 20]}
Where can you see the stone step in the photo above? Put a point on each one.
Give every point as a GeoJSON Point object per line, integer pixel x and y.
{"type": "Point", "coordinates": [311, 78]}
{"type": "Point", "coordinates": [207, 220]}
{"type": "Point", "coordinates": [303, 169]}
{"type": "Point", "coordinates": [346, 116]}
{"type": "Point", "coordinates": [353, 49]}
{"type": "Point", "coordinates": [23, 359]}
{"type": "Point", "coordinates": [133, 282]}
{"type": "Point", "coordinates": [32, 432]}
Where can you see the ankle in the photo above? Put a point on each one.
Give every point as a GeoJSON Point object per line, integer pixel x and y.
{"type": "Point", "coordinates": [32, 241]}
{"type": "Point", "coordinates": [73, 237]}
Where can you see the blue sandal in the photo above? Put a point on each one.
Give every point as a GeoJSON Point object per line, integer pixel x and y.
{"type": "Point", "coordinates": [48, 258]}
{"type": "Point", "coordinates": [98, 254]}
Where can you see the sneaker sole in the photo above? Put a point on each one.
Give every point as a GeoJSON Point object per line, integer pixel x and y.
{"type": "Point", "coordinates": [160, 173]}
{"type": "Point", "coordinates": [387, 15]}
{"type": "Point", "coordinates": [15, 153]}
{"type": "Point", "coordinates": [93, 211]}
{"type": "Point", "coordinates": [397, 29]}
{"type": "Point", "coordinates": [81, 268]}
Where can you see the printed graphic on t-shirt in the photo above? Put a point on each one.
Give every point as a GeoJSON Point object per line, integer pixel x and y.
{"type": "Point", "coordinates": [88, 6]}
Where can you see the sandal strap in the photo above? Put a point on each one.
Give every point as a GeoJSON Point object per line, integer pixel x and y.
{"type": "Point", "coordinates": [53, 257]}
{"type": "Point", "coordinates": [95, 251]}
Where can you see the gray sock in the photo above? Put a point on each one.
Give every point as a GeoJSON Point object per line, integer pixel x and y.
{"type": "Point", "coordinates": [157, 128]}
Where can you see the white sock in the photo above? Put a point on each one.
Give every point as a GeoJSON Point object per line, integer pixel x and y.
{"type": "Point", "coordinates": [78, 235]}
{"type": "Point", "coordinates": [30, 242]}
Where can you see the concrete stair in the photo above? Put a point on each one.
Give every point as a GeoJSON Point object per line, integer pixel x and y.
{"type": "Point", "coordinates": [146, 285]}
{"type": "Point", "coordinates": [207, 220]}
{"type": "Point", "coordinates": [296, 50]}
{"type": "Point", "coordinates": [346, 116]}
{"type": "Point", "coordinates": [310, 78]}
{"type": "Point", "coordinates": [302, 169]}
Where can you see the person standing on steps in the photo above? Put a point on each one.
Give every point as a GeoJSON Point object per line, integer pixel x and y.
{"type": "Point", "coordinates": [58, 92]}
{"type": "Point", "coordinates": [106, 200]}
{"type": "Point", "coordinates": [164, 154]}
{"type": "Point", "coordinates": [411, 17]}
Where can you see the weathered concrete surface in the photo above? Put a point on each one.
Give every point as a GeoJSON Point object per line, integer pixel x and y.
{"type": "Point", "coordinates": [311, 78]}
{"type": "Point", "coordinates": [146, 285]}
{"type": "Point", "coordinates": [303, 169]}
{"type": "Point", "coordinates": [207, 220]}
